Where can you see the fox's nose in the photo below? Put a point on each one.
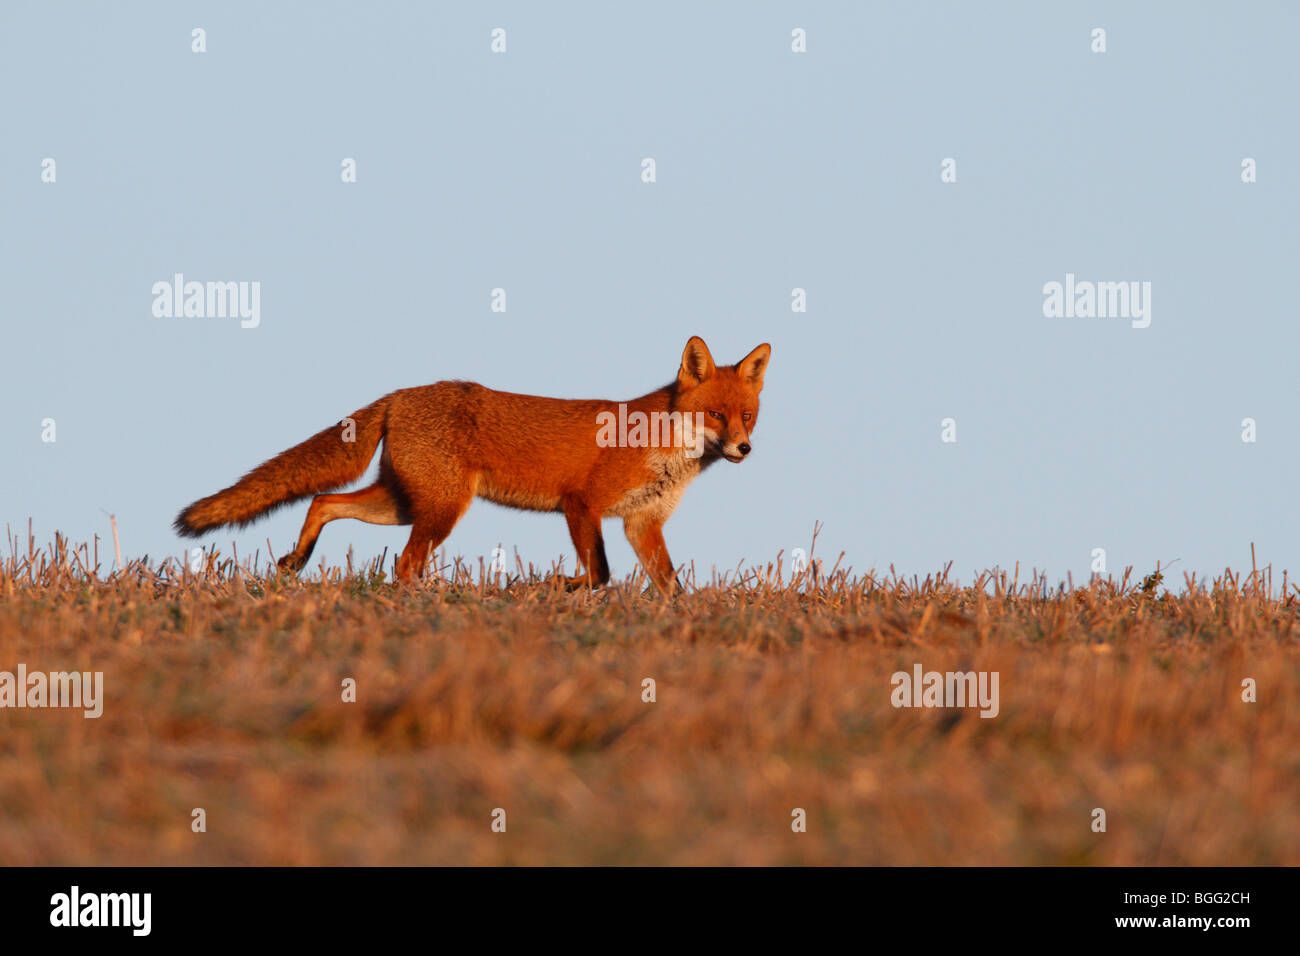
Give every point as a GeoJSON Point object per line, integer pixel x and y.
{"type": "Point", "coordinates": [744, 448]}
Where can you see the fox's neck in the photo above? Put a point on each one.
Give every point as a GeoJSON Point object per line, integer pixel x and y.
{"type": "Point", "coordinates": [664, 399]}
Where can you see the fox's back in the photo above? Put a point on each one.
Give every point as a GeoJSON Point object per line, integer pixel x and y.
{"type": "Point", "coordinates": [527, 451]}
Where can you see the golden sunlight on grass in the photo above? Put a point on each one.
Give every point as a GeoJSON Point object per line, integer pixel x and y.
{"type": "Point", "coordinates": [223, 692]}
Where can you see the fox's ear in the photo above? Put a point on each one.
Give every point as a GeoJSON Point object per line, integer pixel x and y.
{"type": "Point", "coordinates": [697, 363]}
{"type": "Point", "coordinates": [753, 365]}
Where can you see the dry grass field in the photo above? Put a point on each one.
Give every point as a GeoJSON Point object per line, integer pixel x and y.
{"type": "Point", "coordinates": [223, 692]}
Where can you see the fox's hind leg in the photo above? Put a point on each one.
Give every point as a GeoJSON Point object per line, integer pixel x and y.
{"type": "Point", "coordinates": [435, 509]}
{"type": "Point", "coordinates": [428, 532]}
{"type": "Point", "coordinates": [374, 505]}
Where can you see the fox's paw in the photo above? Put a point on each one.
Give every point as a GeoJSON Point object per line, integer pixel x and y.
{"type": "Point", "coordinates": [291, 563]}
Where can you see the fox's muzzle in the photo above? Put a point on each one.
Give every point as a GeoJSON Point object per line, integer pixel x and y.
{"type": "Point", "coordinates": [736, 453]}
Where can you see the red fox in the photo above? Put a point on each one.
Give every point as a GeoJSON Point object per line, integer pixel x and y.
{"type": "Point", "coordinates": [447, 443]}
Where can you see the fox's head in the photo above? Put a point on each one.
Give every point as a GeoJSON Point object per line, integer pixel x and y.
{"type": "Point", "coordinates": [726, 398]}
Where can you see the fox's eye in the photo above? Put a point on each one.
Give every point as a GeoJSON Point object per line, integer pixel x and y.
{"type": "Point", "coordinates": [746, 416]}
{"type": "Point", "coordinates": [717, 415]}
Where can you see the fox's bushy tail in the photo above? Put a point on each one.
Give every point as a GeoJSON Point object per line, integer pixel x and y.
{"type": "Point", "coordinates": [324, 462]}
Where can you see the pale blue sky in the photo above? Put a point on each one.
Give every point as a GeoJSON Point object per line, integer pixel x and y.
{"type": "Point", "coordinates": [776, 170]}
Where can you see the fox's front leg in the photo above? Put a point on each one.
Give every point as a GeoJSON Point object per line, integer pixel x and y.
{"type": "Point", "coordinates": [646, 535]}
{"type": "Point", "coordinates": [584, 528]}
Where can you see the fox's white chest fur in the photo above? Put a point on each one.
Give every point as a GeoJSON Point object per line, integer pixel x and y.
{"type": "Point", "coordinates": [672, 470]}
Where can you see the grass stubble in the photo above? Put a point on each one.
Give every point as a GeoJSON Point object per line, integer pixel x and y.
{"type": "Point", "coordinates": [224, 691]}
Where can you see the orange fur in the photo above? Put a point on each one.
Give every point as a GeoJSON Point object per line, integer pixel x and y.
{"type": "Point", "coordinates": [445, 444]}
